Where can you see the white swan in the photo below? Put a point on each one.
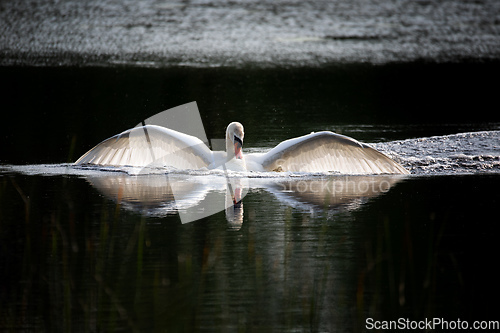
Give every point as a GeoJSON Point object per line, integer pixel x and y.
{"type": "Point", "coordinates": [316, 152]}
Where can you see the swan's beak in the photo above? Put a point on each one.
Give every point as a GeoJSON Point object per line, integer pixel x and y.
{"type": "Point", "coordinates": [238, 144]}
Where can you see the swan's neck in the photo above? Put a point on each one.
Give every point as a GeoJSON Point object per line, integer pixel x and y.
{"type": "Point", "coordinates": [234, 146]}
{"type": "Point", "coordinates": [229, 147]}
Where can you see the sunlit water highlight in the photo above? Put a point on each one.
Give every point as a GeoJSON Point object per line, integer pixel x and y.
{"type": "Point", "coordinates": [238, 33]}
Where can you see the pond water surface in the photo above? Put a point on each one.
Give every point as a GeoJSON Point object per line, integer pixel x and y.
{"type": "Point", "coordinates": [82, 250]}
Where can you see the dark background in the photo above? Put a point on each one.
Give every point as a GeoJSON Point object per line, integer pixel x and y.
{"type": "Point", "coordinates": [54, 115]}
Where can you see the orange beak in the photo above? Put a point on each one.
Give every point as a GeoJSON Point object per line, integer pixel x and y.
{"type": "Point", "coordinates": [237, 150]}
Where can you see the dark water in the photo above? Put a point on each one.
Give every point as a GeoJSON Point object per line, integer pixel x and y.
{"type": "Point", "coordinates": [73, 260]}
{"type": "Point", "coordinates": [55, 114]}
{"type": "Point", "coordinates": [86, 250]}
{"type": "Point", "coordinates": [76, 256]}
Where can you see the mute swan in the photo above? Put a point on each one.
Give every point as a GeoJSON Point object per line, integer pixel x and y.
{"type": "Point", "coordinates": [316, 152]}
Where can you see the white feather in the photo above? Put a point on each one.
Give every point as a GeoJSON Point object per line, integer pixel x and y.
{"type": "Point", "coordinates": [150, 145]}
{"type": "Point", "coordinates": [315, 152]}
{"type": "Point", "coordinates": [327, 151]}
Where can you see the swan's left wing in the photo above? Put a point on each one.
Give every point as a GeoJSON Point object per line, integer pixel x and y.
{"type": "Point", "coordinates": [328, 151]}
{"type": "Point", "coordinates": [150, 145]}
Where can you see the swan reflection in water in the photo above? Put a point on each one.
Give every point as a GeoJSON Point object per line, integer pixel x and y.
{"type": "Point", "coordinates": [196, 197]}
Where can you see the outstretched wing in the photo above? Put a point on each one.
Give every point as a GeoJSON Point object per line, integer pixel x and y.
{"type": "Point", "coordinates": [147, 145]}
{"type": "Point", "coordinates": [328, 151]}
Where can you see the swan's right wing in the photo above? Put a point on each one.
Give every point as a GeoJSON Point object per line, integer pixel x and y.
{"type": "Point", "coordinates": [150, 145]}
{"type": "Point", "coordinates": [328, 151]}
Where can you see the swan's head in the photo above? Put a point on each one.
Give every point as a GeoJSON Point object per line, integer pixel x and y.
{"type": "Point", "coordinates": [234, 140]}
